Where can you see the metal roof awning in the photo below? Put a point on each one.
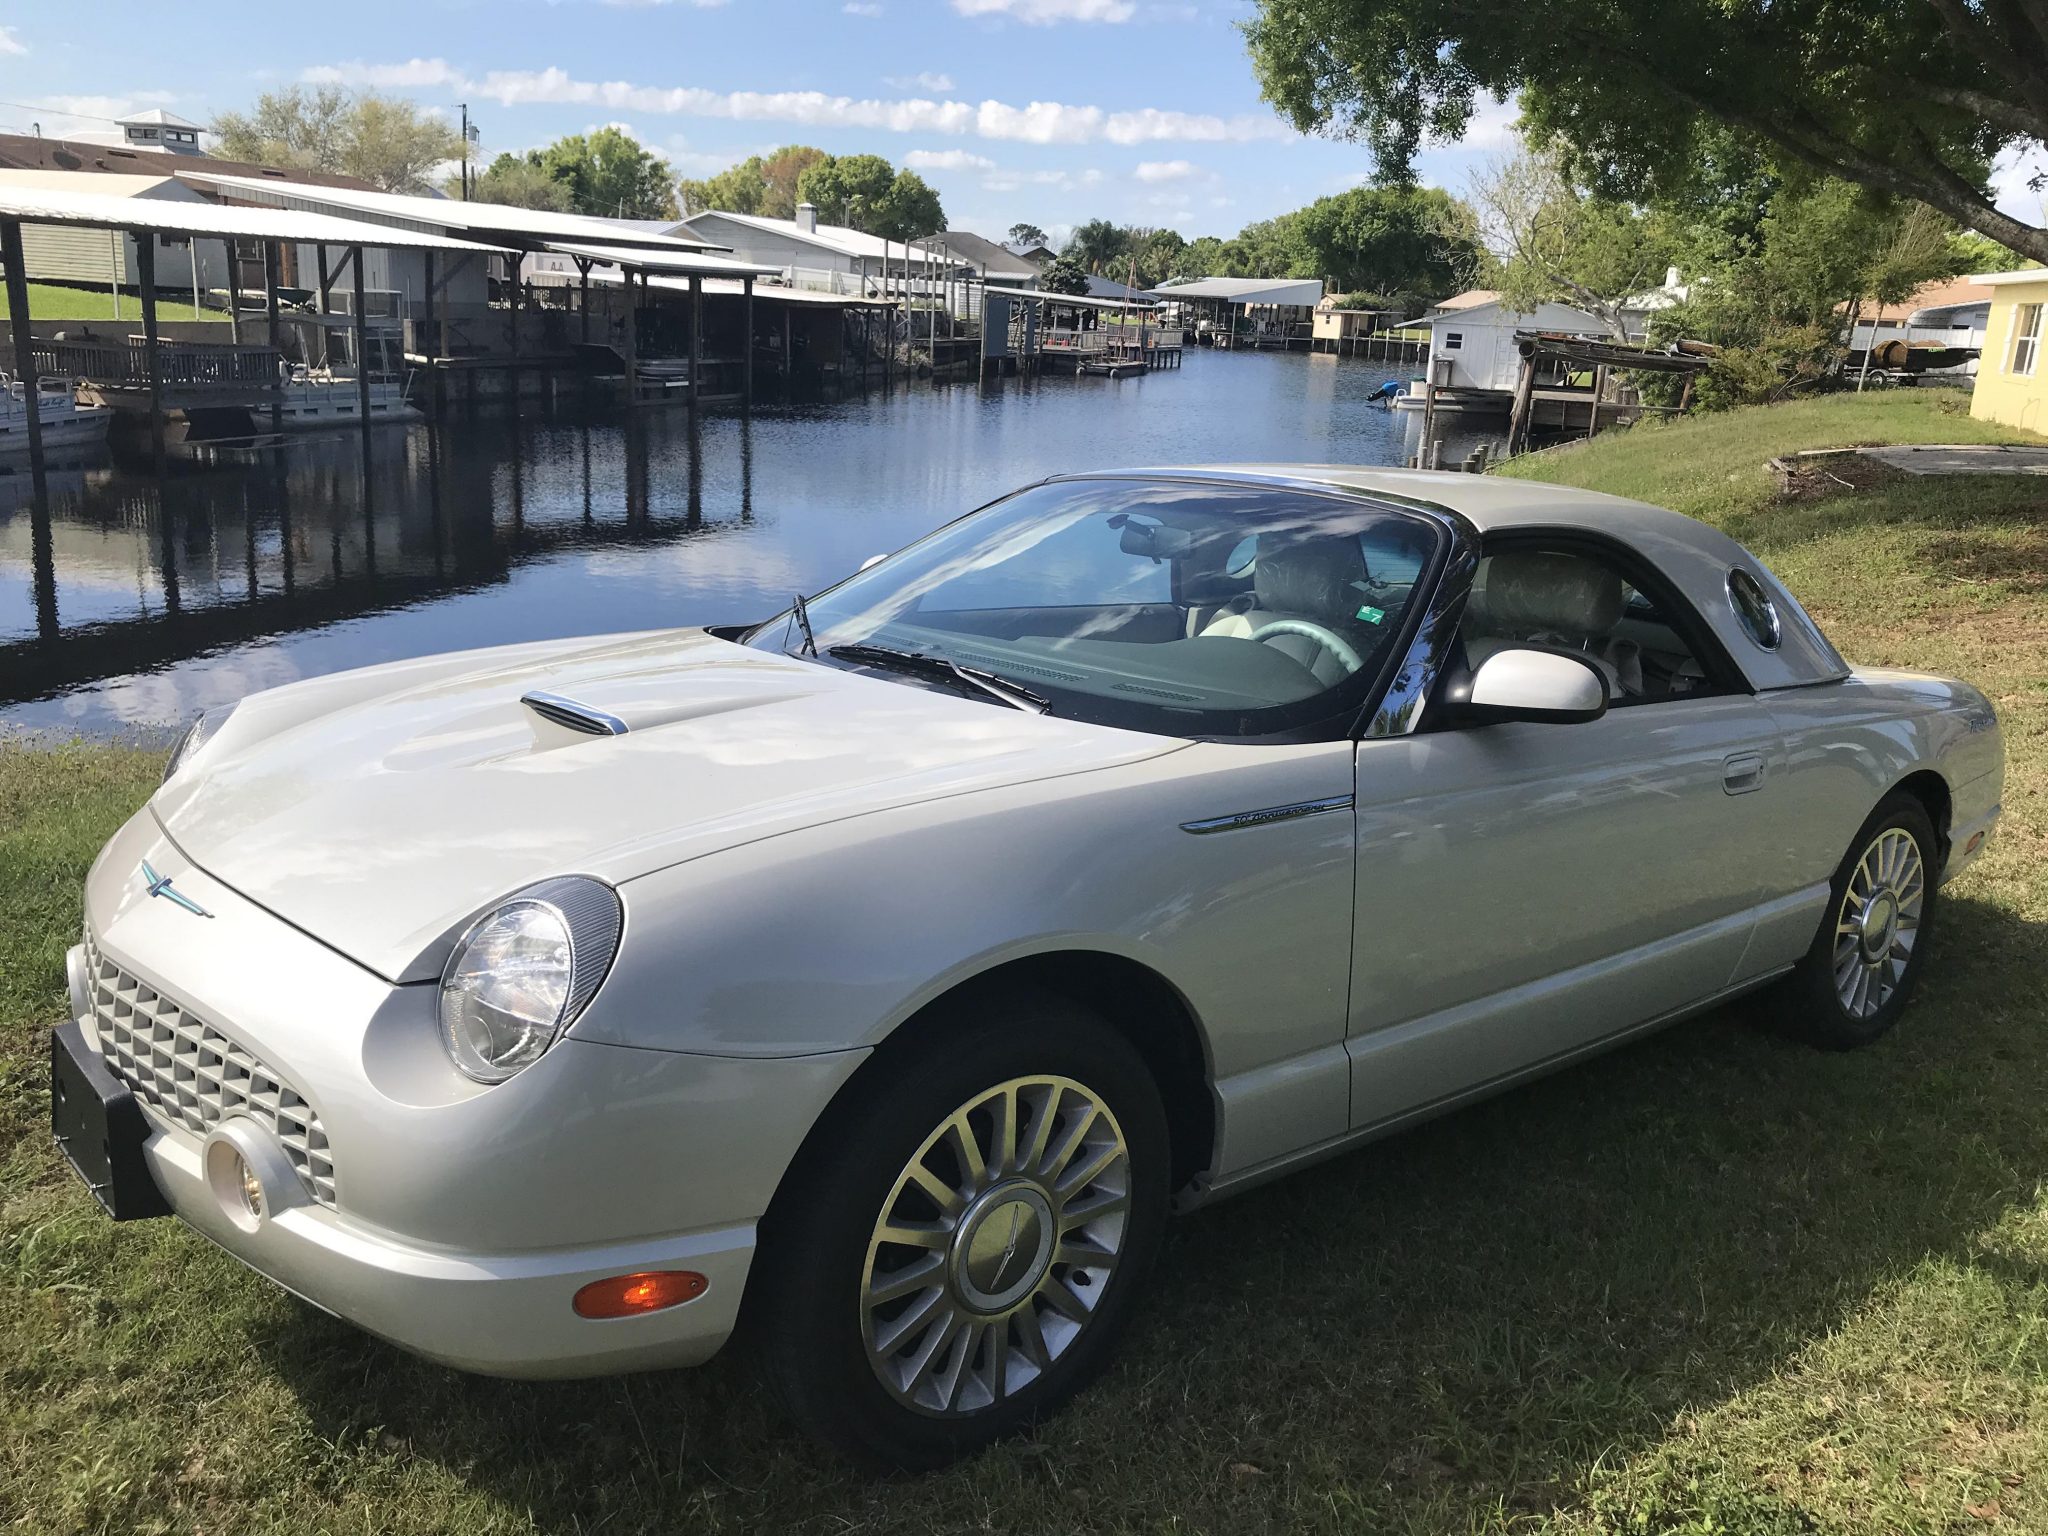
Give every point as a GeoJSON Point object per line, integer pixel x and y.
{"type": "Point", "coordinates": [95, 210]}
{"type": "Point", "coordinates": [482, 221]}
{"type": "Point", "coordinates": [685, 263]}
{"type": "Point", "coordinates": [1247, 290]}
{"type": "Point", "coordinates": [1077, 300]}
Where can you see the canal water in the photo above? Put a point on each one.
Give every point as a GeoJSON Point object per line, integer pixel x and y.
{"type": "Point", "coordinates": [139, 602]}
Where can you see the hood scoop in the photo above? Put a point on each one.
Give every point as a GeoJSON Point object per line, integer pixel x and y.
{"type": "Point", "coordinates": [560, 720]}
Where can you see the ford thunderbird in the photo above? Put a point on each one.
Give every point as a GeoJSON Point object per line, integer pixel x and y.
{"type": "Point", "coordinates": [881, 975]}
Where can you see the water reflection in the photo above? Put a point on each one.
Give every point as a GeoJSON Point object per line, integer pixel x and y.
{"type": "Point", "coordinates": [136, 599]}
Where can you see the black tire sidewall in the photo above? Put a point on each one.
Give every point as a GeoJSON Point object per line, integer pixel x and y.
{"type": "Point", "coordinates": [814, 1241]}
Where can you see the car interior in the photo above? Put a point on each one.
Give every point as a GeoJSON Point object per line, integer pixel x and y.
{"type": "Point", "coordinates": [1574, 600]}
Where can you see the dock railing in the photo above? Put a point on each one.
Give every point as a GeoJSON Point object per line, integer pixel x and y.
{"type": "Point", "coordinates": [125, 363]}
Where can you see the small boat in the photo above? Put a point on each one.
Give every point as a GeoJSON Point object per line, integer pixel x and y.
{"type": "Point", "coordinates": [63, 421]}
{"type": "Point", "coordinates": [312, 398]}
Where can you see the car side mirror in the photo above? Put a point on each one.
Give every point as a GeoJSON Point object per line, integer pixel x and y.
{"type": "Point", "coordinates": [1523, 683]}
{"type": "Point", "coordinates": [872, 560]}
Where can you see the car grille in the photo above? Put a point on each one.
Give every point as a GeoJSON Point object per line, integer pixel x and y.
{"type": "Point", "coordinates": [194, 1076]}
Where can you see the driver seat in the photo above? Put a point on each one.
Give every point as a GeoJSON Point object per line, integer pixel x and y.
{"type": "Point", "coordinates": [1545, 597]}
{"type": "Point", "coordinates": [1320, 580]}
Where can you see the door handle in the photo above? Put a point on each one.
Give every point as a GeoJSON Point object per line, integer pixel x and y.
{"type": "Point", "coordinates": [1742, 772]}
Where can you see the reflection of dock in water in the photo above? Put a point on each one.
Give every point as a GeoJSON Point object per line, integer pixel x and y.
{"type": "Point", "coordinates": [314, 536]}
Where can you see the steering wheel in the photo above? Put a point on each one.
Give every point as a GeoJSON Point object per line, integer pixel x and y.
{"type": "Point", "coordinates": [1329, 640]}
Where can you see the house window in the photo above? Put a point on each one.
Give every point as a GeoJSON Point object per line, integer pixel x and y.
{"type": "Point", "coordinates": [2026, 339]}
{"type": "Point", "coordinates": [1453, 340]}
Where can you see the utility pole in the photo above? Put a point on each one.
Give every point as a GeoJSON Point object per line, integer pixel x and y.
{"type": "Point", "coordinates": [466, 141]}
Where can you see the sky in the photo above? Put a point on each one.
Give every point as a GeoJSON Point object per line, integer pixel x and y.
{"type": "Point", "coordinates": [1049, 112]}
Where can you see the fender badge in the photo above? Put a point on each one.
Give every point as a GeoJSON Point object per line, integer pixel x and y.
{"type": "Point", "coordinates": [160, 885]}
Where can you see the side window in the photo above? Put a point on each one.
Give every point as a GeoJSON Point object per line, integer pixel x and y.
{"type": "Point", "coordinates": [1576, 599]}
{"type": "Point", "coordinates": [2026, 338]}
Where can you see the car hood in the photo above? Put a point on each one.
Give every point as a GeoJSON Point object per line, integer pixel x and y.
{"type": "Point", "coordinates": [379, 810]}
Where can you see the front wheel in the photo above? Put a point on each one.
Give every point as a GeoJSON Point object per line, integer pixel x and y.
{"type": "Point", "coordinates": [962, 1241]}
{"type": "Point", "coordinates": [1854, 982]}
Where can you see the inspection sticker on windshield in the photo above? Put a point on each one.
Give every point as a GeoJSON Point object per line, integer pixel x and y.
{"type": "Point", "coordinates": [1372, 615]}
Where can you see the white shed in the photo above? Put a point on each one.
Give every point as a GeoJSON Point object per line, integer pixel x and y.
{"type": "Point", "coordinates": [1478, 340]}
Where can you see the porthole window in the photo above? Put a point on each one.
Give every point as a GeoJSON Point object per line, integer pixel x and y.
{"type": "Point", "coordinates": [1754, 609]}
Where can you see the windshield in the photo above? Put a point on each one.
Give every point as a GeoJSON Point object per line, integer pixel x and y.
{"type": "Point", "coordinates": [1181, 608]}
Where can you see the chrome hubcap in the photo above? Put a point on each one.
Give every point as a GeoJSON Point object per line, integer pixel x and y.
{"type": "Point", "coordinates": [995, 1245]}
{"type": "Point", "coordinates": [1878, 922]}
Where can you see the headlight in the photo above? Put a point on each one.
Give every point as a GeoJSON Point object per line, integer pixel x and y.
{"type": "Point", "coordinates": [197, 735]}
{"type": "Point", "coordinates": [523, 972]}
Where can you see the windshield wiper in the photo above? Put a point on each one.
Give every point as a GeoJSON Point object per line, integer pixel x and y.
{"type": "Point", "coordinates": [944, 669]}
{"type": "Point", "coordinates": [803, 622]}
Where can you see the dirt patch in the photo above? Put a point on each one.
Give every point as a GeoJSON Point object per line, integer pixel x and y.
{"type": "Point", "coordinates": [1809, 477]}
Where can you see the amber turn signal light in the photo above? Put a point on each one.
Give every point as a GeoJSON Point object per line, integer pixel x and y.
{"type": "Point", "coordinates": [630, 1295]}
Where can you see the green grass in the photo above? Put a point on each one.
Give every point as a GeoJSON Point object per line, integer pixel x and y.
{"type": "Point", "coordinates": [56, 301]}
{"type": "Point", "coordinates": [1713, 1284]}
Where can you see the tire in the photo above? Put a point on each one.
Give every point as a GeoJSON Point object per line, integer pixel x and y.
{"type": "Point", "coordinates": [1853, 984]}
{"type": "Point", "coordinates": [1010, 1328]}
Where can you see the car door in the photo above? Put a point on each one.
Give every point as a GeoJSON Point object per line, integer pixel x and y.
{"type": "Point", "coordinates": [1527, 890]}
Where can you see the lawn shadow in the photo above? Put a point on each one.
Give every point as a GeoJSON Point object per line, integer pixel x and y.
{"type": "Point", "coordinates": [1447, 1329]}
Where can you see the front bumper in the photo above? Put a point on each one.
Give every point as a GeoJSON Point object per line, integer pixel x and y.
{"type": "Point", "coordinates": [459, 1221]}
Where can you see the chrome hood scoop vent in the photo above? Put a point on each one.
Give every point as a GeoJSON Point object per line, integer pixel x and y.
{"type": "Point", "coordinates": [559, 720]}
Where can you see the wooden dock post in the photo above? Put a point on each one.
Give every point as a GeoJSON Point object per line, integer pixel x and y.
{"type": "Point", "coordinates": [270, 315]}
{"type": "Point", "coordinates": [145, 277]}
{"type": "Point", "coordinates": [362, 331]}
{"type": "Point", "coordinates": [1599, 389]}
{"type": "Point", "coordinates": [234, 258]}
{"type": "Point", "coordinates": [326, 303]}
{"type": "Point", "coordinates": [632, 341]}
{"type": "Point", "coordinates": [747, 342]}
{"type": "Point", "coordinates": [696, 339]}
{"type": "Point", "coordinates": [788, 348]}
{"type": "Point", "coordinates": [1525, 399]}
{"type": "Point", "coordinates": [583, 304]}
{"type": "Point", "coordinates": [24, 355]}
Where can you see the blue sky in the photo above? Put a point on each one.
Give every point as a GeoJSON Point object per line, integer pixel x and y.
{"type": "Point", "coordinates": [1051, 111]}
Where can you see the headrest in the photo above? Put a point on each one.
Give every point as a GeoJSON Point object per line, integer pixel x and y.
{"type": "Point", "coordinates": [1537, 592]}
{"type": "Point", "coordinates": [1313, 576]}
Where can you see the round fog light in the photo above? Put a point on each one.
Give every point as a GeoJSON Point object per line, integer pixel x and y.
{"type": "Point", "coordinates": [247, 1172]}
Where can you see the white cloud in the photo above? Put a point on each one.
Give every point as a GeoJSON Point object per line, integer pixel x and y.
{"type": "Point", "coordinates": [927, 81]}
{"type": "Point", "coordinates": [1045, 13]}
{"type": "Point", "coordinates": [947, 160]}
{"type": "Point", "coordinates": [1037, 122]}
{"type": "Point", "coordinates": [1165, 170]}
{"type": "Point", "coordinates": [9, 43]}
{"type": "Point", "coordinates": [1064, 181]}
{"type": "Point", "coordinates": [641, 5]}
{"type": "Point", "coordinates": [861, 8]}
{"type": "Point", "coordinates": [1491, 127]}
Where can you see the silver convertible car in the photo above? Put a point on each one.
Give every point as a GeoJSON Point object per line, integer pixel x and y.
{"type": "Point", "coordinates": [881, 975]}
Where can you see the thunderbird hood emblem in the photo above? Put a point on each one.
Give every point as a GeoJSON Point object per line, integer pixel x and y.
{"type": "Point", "coordinates": [160, 885]}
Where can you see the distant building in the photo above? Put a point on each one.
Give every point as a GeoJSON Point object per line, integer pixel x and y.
{"type": "Point", "coordinates": [154, 129]}
{"type": "Point", "coordinates": [809, 253]}
{"type": "Point", "coordinates": [990, 262]}
{"type": "Point", "coordinates": [2012, 386]}
{"type": "Point", "coordinates": [1473, 338]}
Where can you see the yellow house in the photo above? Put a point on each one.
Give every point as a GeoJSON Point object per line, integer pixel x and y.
{"type": "Point", "coordinates": [2012, 381]}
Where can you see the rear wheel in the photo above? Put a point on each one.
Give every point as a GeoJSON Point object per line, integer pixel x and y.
{"type": "Point", "coordinates": [1855, 981]}
{"type": "Point", "coordinates": [960, 1245]}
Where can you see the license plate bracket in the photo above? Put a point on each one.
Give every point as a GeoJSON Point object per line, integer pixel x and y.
{"type": "Point", "coordinates": [100, 1129]}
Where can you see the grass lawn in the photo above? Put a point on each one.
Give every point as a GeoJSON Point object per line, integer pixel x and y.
{"type": "Point", "coordinates": [54, 301]}
{"type": "Point", "coordinates": [1714, 1283]}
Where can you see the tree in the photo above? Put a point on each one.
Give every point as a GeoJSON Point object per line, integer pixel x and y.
{"type": "Point", "coordinates": [389, 143]}
{"type": "Point", "coordinates": [870, 194]}
{"type": "Point", "coordinates": [1027, 236]}
{"type": "Point", "coordinates": [1063, 274]}
{"type": "Point", "coordinates": [847, 188]}
{"type": "Point", "coordinates": [518, 181]}
{"type": "Point", "coordinates": [1391, 240]}
{"type": "Point", "coordinates": [1912, 98]}
{"type": "Point", "coordinates": [1553, 241]}
{"type": "Point", "coordinates": [1096, 244]}
{"type": "Point", "coordinates": [780, 173]}
{"type": "Point", "coordinates": [737, 189]}
{"type": "Point", "coordinates": [611, 174]}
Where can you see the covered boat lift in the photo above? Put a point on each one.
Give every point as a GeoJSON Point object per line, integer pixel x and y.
{"type": "Point", "coordinates": [1224, 301]}
{"type": "Point", "coordinates": [205, 373]}
{"type": "Point", "coordinates": [1016, 333]}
